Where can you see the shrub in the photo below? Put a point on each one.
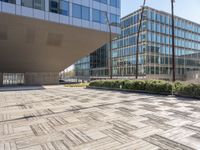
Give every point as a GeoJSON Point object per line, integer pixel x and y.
{"type": "Point", "coordinates": [158, 86]}
{"type": "Point", "coordinates": [192, 90]}
{"type": "Point", "coordinates": [152, 86]}
{"type": "Point", "coordinates": [77, 85]}
{"type": "Point", "coordinates": [155, 86]}
{"type": "Point", "coordinates": [96, 83]}
{"type": "Point", "coordinates": [138, 85]}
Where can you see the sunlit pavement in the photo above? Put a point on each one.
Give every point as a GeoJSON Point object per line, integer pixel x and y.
{"type": "Point", "coordinates": [59, 118]}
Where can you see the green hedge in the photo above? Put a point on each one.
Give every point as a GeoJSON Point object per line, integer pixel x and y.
{"type": "Point", "coordinates": [77, 85]}
{"type": "Point", "coordinates": [151, 86]}
{"type": "Point", "coordinates": [187, 89]}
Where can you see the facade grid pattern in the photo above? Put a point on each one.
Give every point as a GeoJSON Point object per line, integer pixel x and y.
{"type": "Point", "coordinates": [155, 46]}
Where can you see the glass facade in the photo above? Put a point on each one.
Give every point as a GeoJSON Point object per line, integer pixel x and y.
{"type": "Point", "coordinates": [155, 46]}
{"type": "Point", "coordinates": [93, 65]}
{"type": "Point", "coordinates": [82, 67]}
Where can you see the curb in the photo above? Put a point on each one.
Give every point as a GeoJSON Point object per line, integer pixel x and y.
{"type": "Point", "coordinates": [144, 92]}
{"type": "Point", "coordinates": [125, 90]}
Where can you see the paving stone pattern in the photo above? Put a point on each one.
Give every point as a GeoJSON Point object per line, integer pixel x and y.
{"type": "Point", "coordinates": [59, 118]}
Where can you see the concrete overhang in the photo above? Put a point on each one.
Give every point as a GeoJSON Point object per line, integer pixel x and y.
{"type": "Point", "coordinates": [33, 45]}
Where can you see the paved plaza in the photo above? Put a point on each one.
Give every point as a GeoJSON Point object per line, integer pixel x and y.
{"type": "Point", "coordinates": [59, 118]}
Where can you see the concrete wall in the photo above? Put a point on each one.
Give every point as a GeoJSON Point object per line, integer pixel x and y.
{"type": "Point", "coordinates": [41, 78]}
{"type": "Point", "coordinates": [1, 79]}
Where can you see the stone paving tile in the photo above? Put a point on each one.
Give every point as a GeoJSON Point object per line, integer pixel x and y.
{"type": "Point", "coordinates": [59, 118]}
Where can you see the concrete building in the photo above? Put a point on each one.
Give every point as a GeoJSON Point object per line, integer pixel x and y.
{"type": "Point", "coordinates": [38, 39]}
{"type": "Point", "coordinates": [155, 46]}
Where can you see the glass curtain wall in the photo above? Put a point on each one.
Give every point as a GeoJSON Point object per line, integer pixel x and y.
{"type": "Point", "coordinates": [155, 51]}
{"type": "Point", "coordinates": [93, 65]}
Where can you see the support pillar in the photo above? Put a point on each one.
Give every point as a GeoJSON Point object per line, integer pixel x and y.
{"type": "Point", "coordinates": [41, 78]}
{"type": "Point", "coordinates": [1, 79]}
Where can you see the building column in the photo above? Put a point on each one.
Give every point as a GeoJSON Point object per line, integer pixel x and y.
{"type": "Point", "coordinates": [1, 79]}
{"type": "Point", "coordinates": [41, 78]}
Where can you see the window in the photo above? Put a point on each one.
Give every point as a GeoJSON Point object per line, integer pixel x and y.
{"type": "Point", "coordinates": [115, 3]}
{"type": "Point", "coordinates": [27, 3]}
{"type": "Point", "coordinates": [81, 12]}
{"type": "Point", "coordinates": [153, 15]}
{"type": "Point", "coordinates": [85, 13]}
{"type": "Point", "coordinates": [98, 16]}
{"type": "Point", "coordinates": [76, 11]}
{"type": "Point", "coordinates": [59, 7]}
{"type": "Point", "coordinates": [158, 17]}
{"type": "Point", "coordinates": [64, 8]}
{"type": "Point", "coordinates": [37, 4]}
{"type": "Point", "coordinates": [102, 1]}
{"type": "Point", "coordinates": [114, 18]}
{"type": "Point", "coordinates": [103, 17]}
{"type": "Point", "coordinates": [9, 1]}
{"type": "Point", "coordinates": [54, 6]}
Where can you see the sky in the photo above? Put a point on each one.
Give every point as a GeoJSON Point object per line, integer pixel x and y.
{"type": "Point", "coordinates": [188, 9]}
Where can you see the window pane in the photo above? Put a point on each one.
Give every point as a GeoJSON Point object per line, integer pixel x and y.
{"type": "Point", "coordinates": [76, 11]}
{"type": "Point", "coordinates": [85, 13]}
{"type": "Point", "coordinates": [39, 4]}
{"type": "Point", "coordinates": [96, 15]}
{"type": "Point", "coordinates": [103, 17]}
{"type": "Point", "coordinates": [115, 3]}
{"type": "Point", "coordinates": [113, 18]}
{"type": "Point", "coordinates": [102, 1]}
{"type": "Point", "coordinates": [64, 8]}
{"type": "Point", "coordinates": [27, 3]}
{"type": "Point", "coordinates": [54, 6]}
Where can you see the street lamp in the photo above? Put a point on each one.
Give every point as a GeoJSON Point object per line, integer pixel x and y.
{"type": "Point", "coordinates": [138, 36]}
{"type": "Point", "coordinates": [173, 44]}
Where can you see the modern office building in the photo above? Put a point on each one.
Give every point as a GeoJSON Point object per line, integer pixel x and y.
{"type": "Point", "coordinates": [40, 38]}
{"type": "Point", "coordinates": [155, 46]}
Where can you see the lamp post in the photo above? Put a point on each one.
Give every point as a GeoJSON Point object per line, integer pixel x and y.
{"type": "Point", "coordinates": [138, 36]}
{"type": "Point", "coordinates": [173, 44]}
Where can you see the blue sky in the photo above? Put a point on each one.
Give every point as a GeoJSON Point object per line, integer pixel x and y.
{"type": "Point", "coordinates": [189, 9]}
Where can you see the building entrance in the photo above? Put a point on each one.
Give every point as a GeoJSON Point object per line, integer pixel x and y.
{"type": "Point", "coordinates": [13, 79]}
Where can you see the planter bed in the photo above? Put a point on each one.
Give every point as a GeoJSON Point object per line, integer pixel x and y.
{"type": "Point", "coordinates": [181, 89]}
